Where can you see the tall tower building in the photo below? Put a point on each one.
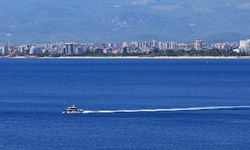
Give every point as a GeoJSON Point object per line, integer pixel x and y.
{"type": "Point", "coordinates": [70, 48]}
{"type": "Point", "coordinates": [245, 46]}
{"type": "Point", "coordinates": [5, 50]}
{"type": "Point", "coordinates": [173, 45]}
{"type": "Point", "coordinates": [198, 44]}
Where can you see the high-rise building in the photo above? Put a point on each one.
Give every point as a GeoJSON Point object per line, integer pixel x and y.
{"type": "Point", "coordinates": [125, 44]}
{"type": "Point", "coordinates": [155, 43]}
{"type": "Point", "coordinates": [173, 45]}
{"type": "Point", "coordinates": [70, 48]}
{"type": "Point", "coordinates": [35, 50]}
{"type": "Point", "coordinates": [245, 46]}
{"type": "Point", "coordinates": [198, 44]}
{"type": "Point", "coordinates": [5, 50]}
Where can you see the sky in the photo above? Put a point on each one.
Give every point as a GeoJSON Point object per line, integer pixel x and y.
{"type": "Point", "coordinates": [25, 21]}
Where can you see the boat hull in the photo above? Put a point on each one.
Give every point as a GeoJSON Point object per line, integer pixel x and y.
{"type": "Point", "coordinates": [78, 112]}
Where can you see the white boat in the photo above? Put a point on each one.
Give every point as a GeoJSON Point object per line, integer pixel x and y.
{"type": "Point", "coordinates": [73, 110]}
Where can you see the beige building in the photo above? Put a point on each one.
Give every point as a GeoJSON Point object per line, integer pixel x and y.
{"type": "Point", "coordinates": [198, 44]}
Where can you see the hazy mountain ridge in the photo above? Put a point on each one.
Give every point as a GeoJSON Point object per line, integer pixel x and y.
{"type": "Point", "coordinates": [117, 20]}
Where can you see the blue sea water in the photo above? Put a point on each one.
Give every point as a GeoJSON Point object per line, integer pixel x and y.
{"type": "Point", "coordinates": [34, 92]}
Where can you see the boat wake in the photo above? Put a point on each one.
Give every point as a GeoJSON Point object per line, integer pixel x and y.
{"type": "Point", "coordinates": [168, 109]}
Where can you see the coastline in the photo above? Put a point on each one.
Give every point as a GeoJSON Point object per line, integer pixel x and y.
{"type": "Point", "coordinates": [129, 57]}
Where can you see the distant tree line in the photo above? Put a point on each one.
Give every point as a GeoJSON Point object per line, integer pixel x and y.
{"type": "Point", "coordinates": [173, 53]}
{"type": "Point", "coordinates": [152, 53]}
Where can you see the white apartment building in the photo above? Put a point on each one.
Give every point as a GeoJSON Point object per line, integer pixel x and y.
{"type": "Point", "coordinates": [245, 46]}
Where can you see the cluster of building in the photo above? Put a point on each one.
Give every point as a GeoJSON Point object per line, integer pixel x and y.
{"type": "Point", "coordinates": [70, 49]}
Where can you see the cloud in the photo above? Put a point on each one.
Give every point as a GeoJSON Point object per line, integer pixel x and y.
{"type": "Point", "coordinates": [166, 7]}
{"type": "Point", "coordinates": [117, 6]}
{"type": "Point", "coordinates": [244, 6]}
{"type": "Point", "coordinates": [142, 2]}
{"type": "Point", "coordinates": [201, 9]}
{"type": "Point", "coordinates": [191, 24]}
{"type": "Point", "coordinates": [8, 34]}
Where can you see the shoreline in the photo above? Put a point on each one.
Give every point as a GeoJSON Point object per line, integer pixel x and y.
{"type": "Point", "coordinates": [128, 57]}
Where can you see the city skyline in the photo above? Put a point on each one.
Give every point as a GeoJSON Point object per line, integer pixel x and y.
{"type": "Point", "coordinates": [125, 48]}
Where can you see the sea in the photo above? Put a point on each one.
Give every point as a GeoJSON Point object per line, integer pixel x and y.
{"type": "Point", "coordinates": [132, 104]}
